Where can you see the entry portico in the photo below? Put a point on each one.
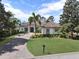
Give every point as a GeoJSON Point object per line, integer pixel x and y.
{"type": "Point", "coordinates": [31, 27]}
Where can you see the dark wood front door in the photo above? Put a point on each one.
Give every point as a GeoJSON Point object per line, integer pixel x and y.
{"type": "Point", "coordinates": [31, 29]}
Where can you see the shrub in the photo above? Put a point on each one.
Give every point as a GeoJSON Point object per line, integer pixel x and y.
{"type": "Point", "coordinates": [45, 35]}
{"type": "Point", "coordinates": [64, 35]}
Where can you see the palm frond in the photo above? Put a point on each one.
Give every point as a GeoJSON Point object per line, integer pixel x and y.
{"type": "Point", "coordinates": [30, 19]}
{"type": "Point", "coordinates": [33, 14]}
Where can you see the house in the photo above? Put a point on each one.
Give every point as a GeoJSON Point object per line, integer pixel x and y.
{"type": "Point", "coordinates": [46, 27]}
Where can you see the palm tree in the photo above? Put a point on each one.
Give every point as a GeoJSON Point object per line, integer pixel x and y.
{"type": "Point", "coordinates": [36, 19]}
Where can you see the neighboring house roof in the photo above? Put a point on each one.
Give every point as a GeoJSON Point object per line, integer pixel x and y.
{"type": "Point", "coordinates": [50, 25]}
{"type": "Point", "coordinates": [24, 25]}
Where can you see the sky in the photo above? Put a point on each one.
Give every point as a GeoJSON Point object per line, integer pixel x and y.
{"type": "Point", "coordinates": [22, 9]}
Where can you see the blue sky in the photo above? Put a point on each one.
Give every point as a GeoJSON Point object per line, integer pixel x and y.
{"type": "Point", "coordinates": [22, 9]}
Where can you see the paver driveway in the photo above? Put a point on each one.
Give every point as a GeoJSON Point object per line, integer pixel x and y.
{"type": "Point", "coordinates": [16, 49]}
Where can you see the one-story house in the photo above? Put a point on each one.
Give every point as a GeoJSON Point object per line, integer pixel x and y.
{"type": "Point", "coordinates": [46, 27]}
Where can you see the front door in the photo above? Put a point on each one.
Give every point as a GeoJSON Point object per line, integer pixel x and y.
{"type": "Point", "coordinates": [31, 29]}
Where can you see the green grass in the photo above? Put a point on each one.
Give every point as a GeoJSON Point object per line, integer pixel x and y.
{"type": "Point", "coordinates": [53, 46]}
{"type": "Point", "coordinates": [6, 40]}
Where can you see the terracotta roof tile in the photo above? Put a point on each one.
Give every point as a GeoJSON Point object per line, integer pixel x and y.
{"type": "Point", "coordinates": [50, 25]}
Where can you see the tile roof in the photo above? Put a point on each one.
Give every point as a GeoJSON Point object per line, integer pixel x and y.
{"type": "Point", "coordinates": [50, 25]}
{"type": "Point", "coordinates": [43, 24]}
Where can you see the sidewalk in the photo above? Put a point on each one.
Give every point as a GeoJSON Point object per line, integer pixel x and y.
{"type": "Point", "coordinates": [73, 55]}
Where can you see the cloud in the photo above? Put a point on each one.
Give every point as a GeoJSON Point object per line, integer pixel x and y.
{"type": "Point", "coordinates": [17, 12]}
{"type": "Point", "coordinates": [45, 9]}
{"type": "Point", "coordinates": [49, 7]}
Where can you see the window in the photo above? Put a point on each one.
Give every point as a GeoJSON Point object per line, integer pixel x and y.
{"type": "Point", "coordinates": [47, 31]}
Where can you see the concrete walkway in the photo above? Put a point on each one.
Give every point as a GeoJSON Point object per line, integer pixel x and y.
{"type": "Point", "coordinates": [73, 55]}
{"type": "Point", "coordinates": [16, 49]}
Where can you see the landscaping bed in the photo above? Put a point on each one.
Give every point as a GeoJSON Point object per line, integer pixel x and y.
{"type": "Point", "coordinates": [52, 46]}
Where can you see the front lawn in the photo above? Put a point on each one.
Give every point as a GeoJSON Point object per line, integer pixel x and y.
{"type": "Point", "coordinates": [53, 46]}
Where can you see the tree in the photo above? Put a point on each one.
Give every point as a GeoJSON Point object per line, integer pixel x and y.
{"type": "Point", "coordinates": [13, 22]}
{"type": "Point", "coordinates": [6, 23]}
{"type": "Point", "coordinates": [70, 13]}
{"type": "Point", "coordinates": [3, 19]}
{"type": "Point", "coordinates": [77, 29]}
{"type": "Point", "coordinates": [34, 18]}
{"type": "Point", "coordinates": [43, 19]}
{"type": "Point", "coordinates": [67, 27]}
{"type": "Point", "coordinates": [51, 18]}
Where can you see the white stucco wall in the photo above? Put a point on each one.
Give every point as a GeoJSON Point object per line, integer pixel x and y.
{"type": "Point", "coordinates": [51, 30]}
{"type": "Point", "coordinates": [43, 30]}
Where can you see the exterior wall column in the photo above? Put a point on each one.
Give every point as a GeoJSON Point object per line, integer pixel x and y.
{"type": "Point", "coordinates": [34, 28]}
{"type": "Point", "coordinates": [28, 29]}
